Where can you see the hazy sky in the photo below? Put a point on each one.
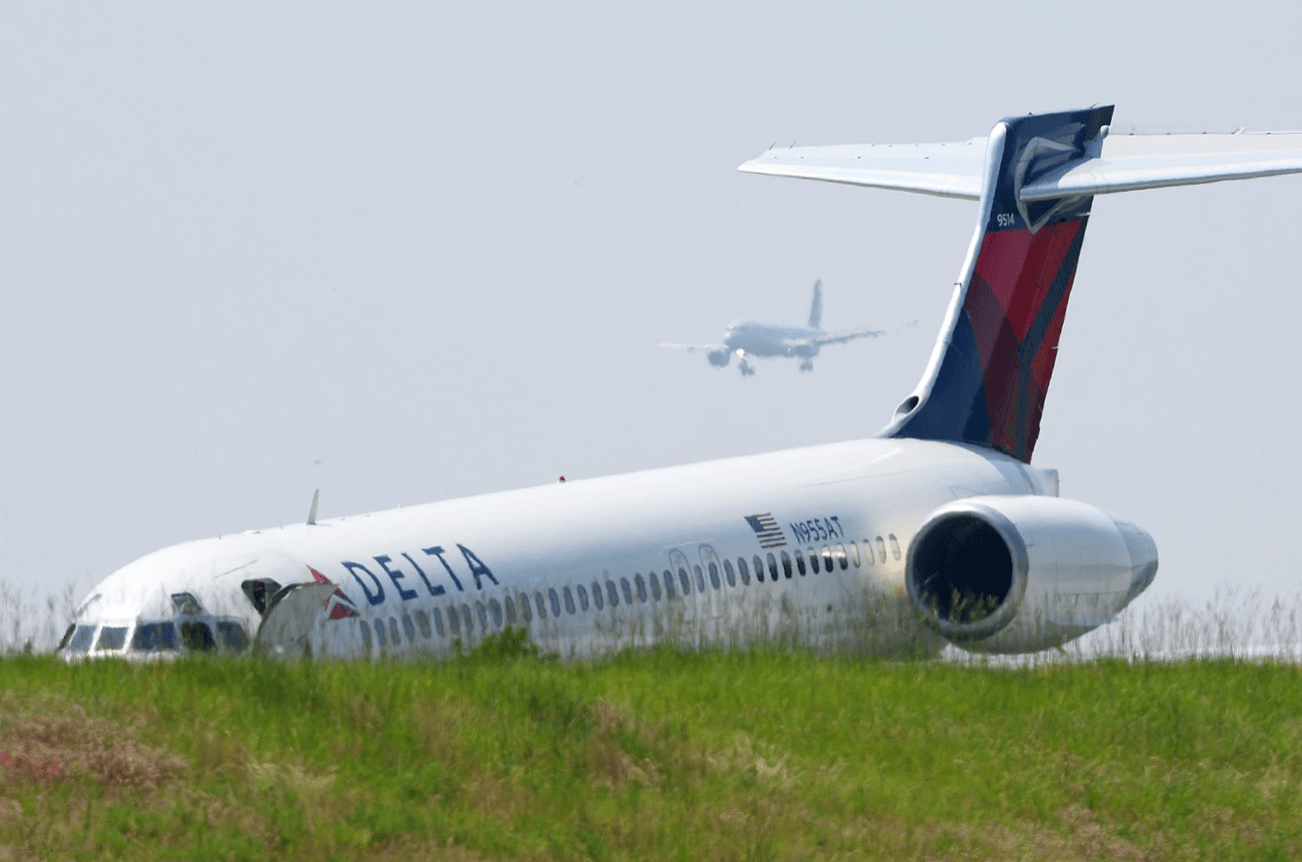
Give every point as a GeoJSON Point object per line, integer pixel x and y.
{"type": "Point", "coordinates": [410, 251]}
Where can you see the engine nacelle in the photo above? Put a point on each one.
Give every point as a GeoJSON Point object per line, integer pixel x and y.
{"type": "Point", "coordinates": [1024, 573]}
{"type": "Point", "coordinates": [719, 357]}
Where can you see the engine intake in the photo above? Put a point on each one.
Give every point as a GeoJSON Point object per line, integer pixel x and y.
{"type": "Point", "coordinates": [1024, 573]}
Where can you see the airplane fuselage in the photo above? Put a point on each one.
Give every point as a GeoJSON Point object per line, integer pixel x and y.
{"type": "Point", "coordinates": [806, 544]}
{"type": "Point", "coordinates": [770, 340]}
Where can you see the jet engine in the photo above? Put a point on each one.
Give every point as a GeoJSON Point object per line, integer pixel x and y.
{"type": "Point", "coordinates": [719, 357]}
{"type": "Point", "coordinates": [1007, 574]}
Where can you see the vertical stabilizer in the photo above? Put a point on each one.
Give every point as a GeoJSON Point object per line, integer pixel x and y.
{"type": "Point", "coordinates": [989, 374]}
{"type": "Point", "coordinates": [816, 306]}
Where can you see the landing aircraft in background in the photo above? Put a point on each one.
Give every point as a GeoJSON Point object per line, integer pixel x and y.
{"type": "Point", "coordinates": [747, 340]}
{"type": "Point", "coordinates": [937, 530]}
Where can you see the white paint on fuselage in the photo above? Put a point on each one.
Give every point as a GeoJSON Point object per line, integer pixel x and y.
{"type": "Point", "coordinates": [861, 497]}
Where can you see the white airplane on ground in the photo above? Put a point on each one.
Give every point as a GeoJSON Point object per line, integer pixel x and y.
{"type": "Point", "coordinates": [937, 530]}
{"type": "Point", "coordinates": [746, 340]}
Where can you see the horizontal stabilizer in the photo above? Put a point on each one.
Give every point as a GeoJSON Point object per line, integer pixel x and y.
{"type": "Point", "coordinates": [1114, 163]}
{"type": "Point", "coordinates": [947, 170]}
{"type": "Point", "coordinates": [1132, 162]}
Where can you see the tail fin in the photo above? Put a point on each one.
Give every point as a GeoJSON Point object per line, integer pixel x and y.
{"type": "Point", "coordinates": [816, 306]}
{"type": "Point", "coordinates": [989, 373]}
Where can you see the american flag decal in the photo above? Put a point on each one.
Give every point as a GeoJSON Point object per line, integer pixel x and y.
{"type": "Point", "coordinates": [767, 530]}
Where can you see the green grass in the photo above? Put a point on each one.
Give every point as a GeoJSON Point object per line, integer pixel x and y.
{"type": "Point", "coordinates": [665, 755]}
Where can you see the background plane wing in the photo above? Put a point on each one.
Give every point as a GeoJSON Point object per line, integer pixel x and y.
{"type": "Point", "coordinates": [691, 347]}
{"type": "Point", "coordinates": [848, 335]}
{"type": "Point", "coordinates": [948, 170]}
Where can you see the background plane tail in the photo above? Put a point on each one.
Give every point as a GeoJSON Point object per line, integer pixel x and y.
{"type": "Point", "coordinates": [816, 306]}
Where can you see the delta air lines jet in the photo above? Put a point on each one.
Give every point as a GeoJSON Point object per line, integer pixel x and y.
{"type": "Point", "coordinates": [747, 340]}
{"type": "Point", "coordinates": [938, 530]}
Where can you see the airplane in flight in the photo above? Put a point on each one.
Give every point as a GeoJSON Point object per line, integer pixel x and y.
{"type": "Point", "coordinates": [749, 340]}
{"type": "Point", "coordinates": [937, 530]}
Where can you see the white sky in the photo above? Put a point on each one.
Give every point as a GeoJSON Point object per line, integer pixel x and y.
{"type": "Point", "coordinates": [432, 246]}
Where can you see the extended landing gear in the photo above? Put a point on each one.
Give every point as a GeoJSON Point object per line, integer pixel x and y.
{"type": "Point", "coordinates": [807, 365]}
{"type": "Point", "coordinates": [745, 368]}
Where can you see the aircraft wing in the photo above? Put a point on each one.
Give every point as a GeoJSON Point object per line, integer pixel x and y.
{"type": "Point", "coordinates": [1113, 163]}
{"type": "Point", "coordinates": [848, 335]}
{"type": "Point", "coordinates": [691, 347]}
{"type": "Point", "coordinates": [947, 170]}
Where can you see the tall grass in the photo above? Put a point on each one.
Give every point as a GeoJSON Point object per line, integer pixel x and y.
{"type": "Point", "coordinates": [660, 754]}
{"type": "Point", "coordinates": [33, 621]}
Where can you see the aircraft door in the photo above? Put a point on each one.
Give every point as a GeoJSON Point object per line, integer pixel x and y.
{"type": "Point", "coordinates": [710, 602]}
{"type": "Point", "coordinates": [680, 570]}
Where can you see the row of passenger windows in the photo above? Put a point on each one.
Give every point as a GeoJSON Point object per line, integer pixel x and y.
{"type": "Point", "coordinates": [520, 609]}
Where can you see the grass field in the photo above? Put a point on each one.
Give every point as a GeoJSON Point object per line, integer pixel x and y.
{"type": "Point", "coordinates": [665, 755]}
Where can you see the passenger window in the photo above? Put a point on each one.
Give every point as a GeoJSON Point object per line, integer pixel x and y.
{"type": "Point", "coordinates": [380, 637]}
{"type": "Point", "coordinates": [684, 582]}
{"type": "Point", "coordinates": [569, 601]}
{"type": "Point", "coordinates": [813, 561]}
{"type": "Point", "coordinates": [669, 584]}
{"type": "Point", "coordinates": [366, 635]}
{"type": "Point", "coordinates": [800, 560]}
{"type": "Point", "coordinates": [454, 622]}
{"type": "Point", "coordinates": [728, 574]}
{"type": "Point", "coordinates": [640, 585]}
{"type": "Point", "coordinates": [612, 594]}
{"type": "Point", "coordinates": [655, 586]}
{"type": "Point", "coordinates": [395, 637]}
{"type": "Point", "coordinates": [526, 611]}
{"type": "Point", "coordinates": [542, 605]}
{"type": "Point", "coordinates": [495, 612]}
{"type": "Point", "coordinates": [773, 567]}
{"type": "Point", "coordinates": [881, 549]}
{"type": "Point", "coordinates": [700, 579]}
{"type": "Point", "coordinates": [854, 554]}
{"type": "Point", "coordinates": [510, 611]}
{"type": "Point", "coordinates": [827, 558]}
{"type": "Point", "coordinates": [583, 597]}
{"type": "Point", "coordinates": [786, 564]}
{"type": "Point", "coordinates": [714, 575]}
{"type": "Point", "coordinates": [113, 637]}
{"type": "Point", "coordinates": [895, 546]}
{"type": "Point", "coordinates": [555, 602]}
{"type": "Point", "coordinates": [466, 624]}
{"type": "Point", "coordinates": [232, 636]}
{"type": "Point", "coordinates": [743, 571]}
{"type": "Point", "coordinates": [628, 590]}
{"type": "Point", "coordinates": [438, 621]}
{"type": "Point", "coordinates": [422, 623]}
{"type": "Point", "coordinates": [840, 556]}
{"type": "Point", "coordinates": [197, 636]}
{"type": "Point", "coordinates": [407, 626]}
{"type": "Point", "coordinates": [596, 596]}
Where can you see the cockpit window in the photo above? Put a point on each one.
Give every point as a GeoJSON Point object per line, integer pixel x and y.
{"type": "Point", "coordinates": [195, 636]}
{"type": "Point", "coordinates": [111, 637]}
{"type": "Point", "coordinates": [150, 637]}
{"type": "Point", "coordinates": [232, 636]}
{"type": "Point", "coordinates": [81, 639]}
